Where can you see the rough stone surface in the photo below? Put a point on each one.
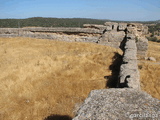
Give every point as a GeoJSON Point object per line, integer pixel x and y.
{"type": "Point", "coordinates": [64, 30]}
{"type": "Point", "coordinates": [100, 27]}
{"type": "Point", "coordinates": [119, 104]}
{"type": "Point", "coordinates": [111, 25]}
{"type": "Point", "coordinates": [129, 74]}
{"type": "Point", "coordinates": [112, 38]}
{"type": "Point", "coordinates": [122, 26]}
{"type": "Point", "coordinates": [142, 46]}
{"type": "Point", "coordinates": [45, 29]}
{"type": "Point", "coordinates": [152, 59]}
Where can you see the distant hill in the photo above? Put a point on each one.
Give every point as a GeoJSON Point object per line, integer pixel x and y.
{"type": "Point", "coordinates": [152, 22]}
{"type": "Point", "coordinates": [57, 22]}
{"type": "Point", "coordinates": [48, 22]}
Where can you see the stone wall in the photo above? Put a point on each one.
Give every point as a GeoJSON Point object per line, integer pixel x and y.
{"type": "Point", "coordinates": [111, 34]}
{"type": "Point", "coordinates": [127, 101]}
{"type": "Point", "coordinates": [129, 74]}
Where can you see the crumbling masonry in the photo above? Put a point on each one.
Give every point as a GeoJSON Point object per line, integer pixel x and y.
{"type": "Point", "coordinates": [111, 34]}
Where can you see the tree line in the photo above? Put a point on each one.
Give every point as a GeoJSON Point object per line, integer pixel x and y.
{"type": "Point", "coordinates": [47, 22]}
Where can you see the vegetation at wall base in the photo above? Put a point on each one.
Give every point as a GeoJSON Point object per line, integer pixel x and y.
{"type": "Point", "coordinates": [153, 39]}
{"type": "Point", "coordinates": [153, 28]}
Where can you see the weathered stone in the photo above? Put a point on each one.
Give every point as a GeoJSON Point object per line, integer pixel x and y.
{"type": "Point", "coordinates": [130, 54]}
{"type": "Point", "coordinates": [10, 35]}
{"type": "Point", "coordinates": [131, 36]}
{"type": "Point", "coordinates": [119, 104]}
{"type": "Point", "coordinates": [142, 47]}
{"type": "Point", "coordinates": [131, 30]}
{"type": "Point", "coordinates": [137, 28]}
{"type": "Point", "coordinates": [133, 25]}
{"type": "Point", "coordinates": [45, 29]}
{"type": "Point", "coordinates": [145, 30]}
{"type": "Point", "coordinates": [100, 27]}
{"type": "Point", "coordinates": [111, 25]}
{"type": "Point", "coordinates": [122, 26]}
{"type": "Point", "coordinates": [87, 39]}
{"type": "Point", "coordinates": [142, 43]}
{"type": "Point", "coordinates": [152, 59]}
{"type": "Point", "coordinates": [130, 45]}
{"type": "Point", "coordinates": [129, 74]}
{"type": "Point", "coordinates": [9, 30]}
{"type": "Point", "coordinates": [113, 36]}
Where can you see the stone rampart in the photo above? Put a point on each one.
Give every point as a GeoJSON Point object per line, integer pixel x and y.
{"type": "Point", "coordinates": [127, 101]}
{"type": "Point", "coordinates": [129, 74]}
{"type": "Point", "coordinates": [111, 34]}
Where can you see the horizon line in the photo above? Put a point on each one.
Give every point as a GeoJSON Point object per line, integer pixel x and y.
{"type": "Point", "coordinates": [85, 18]}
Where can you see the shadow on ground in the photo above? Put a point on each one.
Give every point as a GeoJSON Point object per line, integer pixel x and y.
{"type": "Point", "coordinates": [58, 117]}
{"type": "Point", "coordinates": [115, 68]}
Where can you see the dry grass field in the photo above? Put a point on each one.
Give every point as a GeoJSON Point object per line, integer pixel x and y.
{"type": "Point", "coordinates": [44, 77]}
{"type": "Point", "coordinates": [150, 71]}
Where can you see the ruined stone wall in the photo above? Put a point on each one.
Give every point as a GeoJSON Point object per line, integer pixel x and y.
{"type": "Point", "coordinates": [129, 74]}
{"type": "Point", "coordinates": [125, 102]}
{"type": "Point", "coordinates": [62, 34]}
{"type": "Point", "coordinates": [111, 34]}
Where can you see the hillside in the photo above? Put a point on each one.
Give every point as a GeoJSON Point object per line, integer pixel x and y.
{"type": "Point", "coordinates": [58, 22]}
{"type": "Point", "coordinates": [44, 77]}
{"type": "Point", "coordinates": [48, 22]}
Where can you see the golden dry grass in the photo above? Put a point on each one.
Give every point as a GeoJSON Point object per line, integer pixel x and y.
{"type": "Point", "coordinates": [43, 77]}
{"type": "Point", "coordinates": [150, 71]}
{"type": "Point", "coordinates": [154, 50]}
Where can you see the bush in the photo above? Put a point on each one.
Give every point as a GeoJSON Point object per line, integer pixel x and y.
{"type": "Point", "coordinates": [154, 39]}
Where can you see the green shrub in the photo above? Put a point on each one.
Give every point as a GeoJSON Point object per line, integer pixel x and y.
{"type": "Point", "coordinates": [154, 39]}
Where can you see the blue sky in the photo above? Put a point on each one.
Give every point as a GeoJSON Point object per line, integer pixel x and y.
{"type": "Point", "coordinates": [135, 10]}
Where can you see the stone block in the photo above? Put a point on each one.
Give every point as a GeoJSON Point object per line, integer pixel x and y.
{"type": "Point", "coordinates": [122, 26]}
{"type": "Point", "coordinates": [118, 104]}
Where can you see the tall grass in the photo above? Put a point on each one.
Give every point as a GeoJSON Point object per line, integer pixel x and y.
{"type": "Point", "coordinates": [44, 77]}
{"type": "Point", "coordinates": [150, 71]}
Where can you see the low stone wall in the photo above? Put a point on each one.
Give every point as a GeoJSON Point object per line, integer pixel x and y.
{"type": "Point", "coordinates": [48, 30]}
{"type": "Point", "coordinates": [111, 34]}
{"type": "Point", "coordinates": [112, 38]}
{"type": "Point", "coordinates": [61, 34]}
{"type": "Point", "coordinates": [125, 102]}
{"type": "Point", "coordinates": [129, 74]}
